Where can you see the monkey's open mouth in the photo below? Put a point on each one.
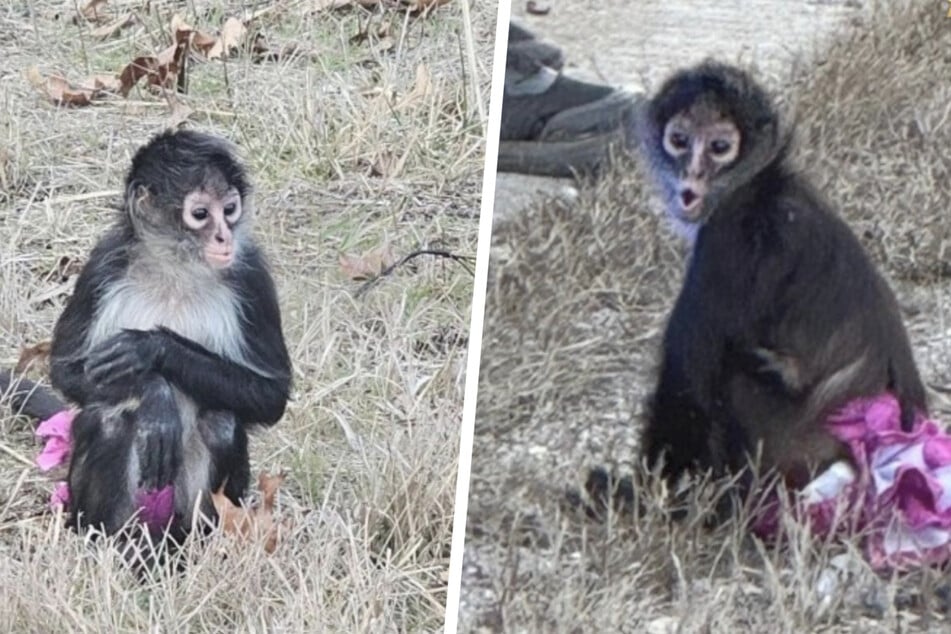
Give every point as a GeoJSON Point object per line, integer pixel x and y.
{"type": "Point", "coordinates": [689, 199]}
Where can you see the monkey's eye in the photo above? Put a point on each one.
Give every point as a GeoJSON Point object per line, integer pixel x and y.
{"type": "Point", "coordinates": [199, 214]}
{"type": "Point", "coordinates": [230, 208]}
{"type": "Point", "coordinates": [678, 140]}
{"type": "Point", "coordinates": [719, 147]}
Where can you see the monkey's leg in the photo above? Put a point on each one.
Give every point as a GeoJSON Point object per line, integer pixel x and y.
{"type": "Point", "coordinates": [678, 434]}
{"type": "Point", "coordinates": [227, 442]}
{"type": "Point", "coordinates": [100, 487]}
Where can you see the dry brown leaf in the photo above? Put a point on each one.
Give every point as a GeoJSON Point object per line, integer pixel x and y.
{"type": "Point", "coordinates": [178, 23]}
{"type": "Point", "coordinates": [91, 12]}
{"type": "Point", "coordinates": [232, 34]}
{"type": "Point", "coordinates": [103, 83]}
{"type": "Point", "coordinates": [162, 70]}
{"type": "Point", "coordinates": [28, 354]}
{"type": "Point", "coordinates": [58, 89]}
{"type": "Point", "coordinates": [199, 41]}
{"type": "Point", "coordinates": [367, 266]}
{"type": "Point", "coordinates": [113, 28]}
{"type": "Point", "coordinates": [252, 524]}
{"type": "Point", "coordinates": [422, 88]}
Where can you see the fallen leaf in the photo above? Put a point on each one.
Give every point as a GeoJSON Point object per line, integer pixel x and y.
{"type": "Point", "coordinates": [232, 34]}
{"type": "Point", "coordinates": [102, 83]}
{"type": "Point", "coordinates": [178, 23]}
{"type": "Point", "coordinates": [90, 12]}
{"type": "Point", "coordinates": [28, 354]}
{"type": "Point", "coordinates": [252, 523]}
{"type": "Point", "coordinates": [367, 266]}
{"type": "Point", "coordinates": [58, 89]}
{"type": "Point", "coordinates": [198, 40]}
{"type": "Point", "coordinates": [113, 28]}
{"type": "Point", "coordinates": [163, 70]}
{"type": "Point", "coordinates": [422, 88]}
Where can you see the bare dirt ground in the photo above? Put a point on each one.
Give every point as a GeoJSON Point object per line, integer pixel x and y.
{"type": "Point", "coordinates": [577, 298]}
{"type": "Point", "coordinates": [355, 143]}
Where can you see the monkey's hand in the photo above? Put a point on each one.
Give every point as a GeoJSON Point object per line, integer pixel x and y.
{"type": "Point", "coordinates": [158, 444]}
{"type": "Point", "coordinates": [123, 358]}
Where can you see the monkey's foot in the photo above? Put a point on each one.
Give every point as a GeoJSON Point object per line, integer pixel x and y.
{"type": "Point", "coordinates": [897, 491]}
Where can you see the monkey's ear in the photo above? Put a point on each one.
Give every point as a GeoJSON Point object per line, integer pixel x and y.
{"type": "Point", "coordinates": [645, 128]}
{"type": "Point", "coordinates": [138, 199]}
{"type": "Point", "coordinates": [136, 195]}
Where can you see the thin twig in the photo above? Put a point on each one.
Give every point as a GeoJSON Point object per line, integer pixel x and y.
{"type": "Point", "coordinates": [464, 260]}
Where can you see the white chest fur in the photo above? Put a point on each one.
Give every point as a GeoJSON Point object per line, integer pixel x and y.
{"type": "Point", "coordinates": [188, 300]}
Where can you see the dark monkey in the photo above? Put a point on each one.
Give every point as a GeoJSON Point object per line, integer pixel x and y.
{"type": "Point", "coordinates": [782, 317]}
{"type": "Point", "coordinates": [171, 343]}
{"type": "Point", "coordinates": [551, 123]}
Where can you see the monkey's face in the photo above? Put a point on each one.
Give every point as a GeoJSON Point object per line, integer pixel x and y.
{"type": "Point", "coordinates": [212, 217]}
{"type": "Point", "coordinates": [699, 143]}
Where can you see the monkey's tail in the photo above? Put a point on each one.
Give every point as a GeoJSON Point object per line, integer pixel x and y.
{"type": "Point", "coordinates": [28, 397]}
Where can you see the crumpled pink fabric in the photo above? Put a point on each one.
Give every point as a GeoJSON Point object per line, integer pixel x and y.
{"type": "Point", "coordinates": [897, 491]}
{"type": "Point", "coordinates": [55, 430]}
{"type": "Point", "coordinates": [156, 507]}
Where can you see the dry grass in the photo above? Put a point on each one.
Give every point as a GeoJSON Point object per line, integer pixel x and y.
{"type": "Point", "coordinates": [371, 437]}
{"type": "Point", "coordinates": [576, 301]}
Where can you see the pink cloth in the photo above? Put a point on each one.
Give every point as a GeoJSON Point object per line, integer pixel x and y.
{"type": "Point", "coordinates": [156, 507]}
{"type": "Point", "coordinates": [55, 430]}
{"type": "Point", "coordinates": [897, 489]}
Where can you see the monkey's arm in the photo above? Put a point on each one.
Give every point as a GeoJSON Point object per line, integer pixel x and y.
{"type": "Point", "coordinates": [217, 383]}
{"type": "Point", "coordinates": [106, 263]}
{"type": "Point", "coordinates": [255, 393]}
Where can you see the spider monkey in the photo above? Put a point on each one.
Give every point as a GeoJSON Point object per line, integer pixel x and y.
{"type": "Point", "coordinates": [171, 344]}
{"type": "Point", "coordinates": [782, 317]}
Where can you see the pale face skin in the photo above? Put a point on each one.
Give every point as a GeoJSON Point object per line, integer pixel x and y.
{"type": "Point", "coordinates": [702, 144]}
{"type": "Point", "coordinates": [213, 218]}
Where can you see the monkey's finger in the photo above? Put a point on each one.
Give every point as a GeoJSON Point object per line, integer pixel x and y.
{"type": "Point", "coordinates": [119, 368]}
